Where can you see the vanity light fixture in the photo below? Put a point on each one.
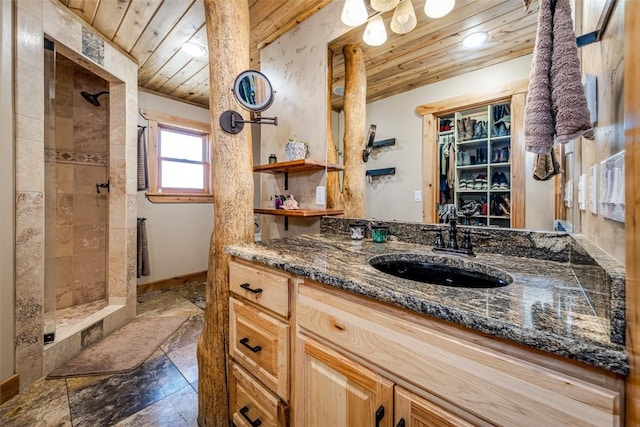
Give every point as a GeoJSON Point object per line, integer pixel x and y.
{"type": "Point", "coordinates": [474, 39]}
{"type": "Point", "coordinates": [404, 18]}
{"type": "Point", "coordinates": [438, 8]}
{"type": "Point", "coordinates": [354, 13]}
{"type": "Point", "coordinates": [383, 5]}
{"type": "Point", "coordinates": [375, 34]}
{"type": "Point", "coordinates": [194, 49]}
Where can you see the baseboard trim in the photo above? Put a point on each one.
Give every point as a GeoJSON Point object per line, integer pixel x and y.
{"type": "Point", "coordinates": [172, 282]}
{"type": "Point", "coordinates": [9, 388]}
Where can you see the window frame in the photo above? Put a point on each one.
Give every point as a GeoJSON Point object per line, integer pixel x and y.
{"type": "Point", "coordinates": [156, 194]}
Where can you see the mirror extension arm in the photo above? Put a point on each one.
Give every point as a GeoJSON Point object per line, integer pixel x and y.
{"type": "Point", "coordinates": [232, 122]}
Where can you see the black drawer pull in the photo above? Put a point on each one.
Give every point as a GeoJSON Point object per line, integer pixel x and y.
{"type": "Point", "coordinates": [379, 415]}
{"type": "Point", "coordinates": [245, 342]}
{"type": "Point", "coordinates": [400, 423]}
{"type": "Point", "coordinates": [243, 412]}
{"type": "Point", "coordinates": [247, 287]}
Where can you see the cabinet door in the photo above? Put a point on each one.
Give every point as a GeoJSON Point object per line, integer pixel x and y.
{"type": "Point", "coordinates": [335, 391]}
{"type": "Point", "coordinates": [412, 410]}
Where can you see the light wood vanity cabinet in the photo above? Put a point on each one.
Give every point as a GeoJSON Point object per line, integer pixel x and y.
{"type": "Point", "coordinates": [340, 358]}
{"type": "Point", "coordinates": [259, 345]}
{"type": "Point", "coordinates": [336, 391]}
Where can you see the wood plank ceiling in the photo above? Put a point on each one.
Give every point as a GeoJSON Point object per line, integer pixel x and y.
{"type": "Point", "coordinates": [432, 51]}
{"type": "Point", "coordinates": [152, 32]}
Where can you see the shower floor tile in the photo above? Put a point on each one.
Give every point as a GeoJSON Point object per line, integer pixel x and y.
{"type": "Point", "coordinates": [68, 318]}
{"type": "Point", "coordinates": [161, 392]}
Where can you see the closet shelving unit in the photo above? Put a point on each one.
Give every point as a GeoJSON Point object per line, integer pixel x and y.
{"type": "Point", "coordinates": [482, 162]}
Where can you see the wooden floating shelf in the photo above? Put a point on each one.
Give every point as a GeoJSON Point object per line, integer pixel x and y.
{"type": "Point", "coordinates": [299, 212]}
{"type": "Point", "coordinates": [302, 165]}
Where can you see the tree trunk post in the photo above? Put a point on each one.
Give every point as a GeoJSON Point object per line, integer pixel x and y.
{"type": "Point", "coordinates": [334, 196]}
{"type": "Point", "coordinates": [227, 24]}
{"type": "Point", "coordinates": [355, 100]}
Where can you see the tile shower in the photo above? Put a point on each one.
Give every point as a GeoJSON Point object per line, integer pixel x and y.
{"type": "Point", "coordinates": [41, 240]}
{"type": "Point", "coordinates": [76, 214]}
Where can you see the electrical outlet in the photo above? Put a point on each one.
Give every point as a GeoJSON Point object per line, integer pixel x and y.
{"type": "Point", "coordinates": [417, 196]}
{"type": "Point", "coordinates": [321, 195]}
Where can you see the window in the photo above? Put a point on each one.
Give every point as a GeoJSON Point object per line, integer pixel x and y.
{"type": "Point", "coordinates": [179, 159]}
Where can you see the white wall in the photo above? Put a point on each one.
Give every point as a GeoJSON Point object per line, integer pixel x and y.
{"type": "Point", "coordinates": [392, 197]}
{"type": "Point", "coordinates": [296, 65]}
{"type": "Point", "coordinates": [178, 233]}
{"type": "Point", "coordinates": [7, 191]}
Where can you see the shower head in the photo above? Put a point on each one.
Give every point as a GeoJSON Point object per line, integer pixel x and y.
{"type": "Point", "coordinates": [93, 97]}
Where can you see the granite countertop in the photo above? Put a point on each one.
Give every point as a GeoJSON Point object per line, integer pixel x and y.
{"type": "Point", "coordinates": [544, 307]}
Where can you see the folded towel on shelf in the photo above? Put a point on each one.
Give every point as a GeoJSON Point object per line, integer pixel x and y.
{"type": "Point", "coordinates": [556, 109]}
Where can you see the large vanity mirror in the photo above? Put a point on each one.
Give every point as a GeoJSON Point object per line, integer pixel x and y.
{"type": "Point", "coordinates": [428, 66]}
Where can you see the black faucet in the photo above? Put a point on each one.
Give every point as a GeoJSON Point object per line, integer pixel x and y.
{"type": "Point", "coordinates": [452, 246]}
{"type": "Point", "coordinates": [453, 231]}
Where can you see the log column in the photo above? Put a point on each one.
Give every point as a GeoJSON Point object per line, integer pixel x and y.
{"type": "Point", "coordinates": [632, 201]}
{"type": "Point", "coordinates": [227, 24]}
{"type": "Point", "coordinates": [334, 196]}
{"type": "Point", "coordinates": [355, 100]}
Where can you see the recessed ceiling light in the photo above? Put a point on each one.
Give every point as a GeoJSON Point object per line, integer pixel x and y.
{"type": "Point", "coordinates": [194, 48]}
{"type": "Point", "coordinates": [338, 90]}
{"type": "Point", "coordinates": [474, 39]}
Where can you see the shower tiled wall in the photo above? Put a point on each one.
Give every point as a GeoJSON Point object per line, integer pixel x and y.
{"type": "Point", "coordinates": [32, 20]}
{"type": "Point", "coordinates": [81, 154]}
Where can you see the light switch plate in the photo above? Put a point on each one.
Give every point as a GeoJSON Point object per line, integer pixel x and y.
{"type": "Point", "coordinates": [321, 195]}
{"type": "Point", "coordinates": [417, 196]}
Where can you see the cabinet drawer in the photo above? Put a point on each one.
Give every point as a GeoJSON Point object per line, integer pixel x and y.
{"type": "Point", "coordinates": [497, 387]}
{"type": "Point", "coordinates": [263, 286]}
{"type": "Point", "coordinates": [260, 343]}
{"type": "Point", "coordinates": [250, 402]}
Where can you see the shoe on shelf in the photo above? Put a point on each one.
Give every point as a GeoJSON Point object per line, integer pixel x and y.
{"type": "Point", "coordinates": [483, 181]}
{"type": "Point", "coordinates": [461, 130]}
{"type": "Point", "coordinates": [504, 155]}
{"type": "Point", "coordinates": [466, 182]}
{"type": "Point", "coordinates": [504, 209]}
{"type": "Point", "coordinates": [471, 124]}
{"type": "Point", "coordinates": [495, 155]}
{"type": "Point", "coordinates": [495, 181]}
{"type": "Point", "coordinates": [507, 201]}
{"type": "Point", "coordinates": [503, 183]}
{"type": "Point", "coordinates": [481, 155]}
{"type": "Point", "coordinates": [477, 184]}
{"type": "Point", "coordinates": [471, 208]}
{"type": "Point", "coordinates": [466, 158]}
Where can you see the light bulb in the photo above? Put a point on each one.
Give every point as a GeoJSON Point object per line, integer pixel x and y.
{"type": "Point", "coordinates": [404, 18]}
{"type": "Point", "coordinates": [354, 13]}
{"type": "Point", "coordinates": [375, 34]}
{"type": "Point", "coordinates": [383, 5]}
{"type": "Point", "coordinates": [438, 8]}
{"type": "Point", "coordinates": [474, 39]}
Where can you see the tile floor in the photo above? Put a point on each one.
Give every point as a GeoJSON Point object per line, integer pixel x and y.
{"type": "Point", "coordinates": [161, 392]}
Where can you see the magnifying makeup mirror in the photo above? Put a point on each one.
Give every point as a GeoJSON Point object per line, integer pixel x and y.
{"type": "Point", "coordinates": [254, 93]}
